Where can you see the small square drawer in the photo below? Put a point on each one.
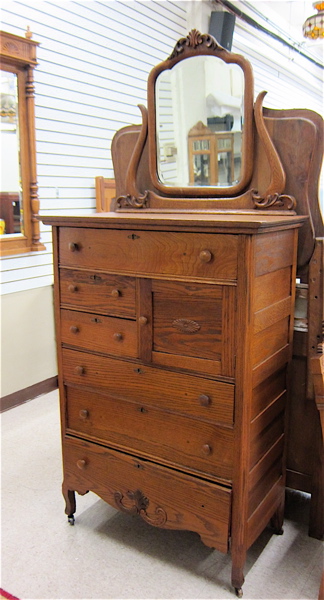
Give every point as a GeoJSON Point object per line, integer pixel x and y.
{"type": "Point", "coordinates": [202, 255]}
{"type": "Point", "coordinates": [99, 333]}
{"type": "Point", "coordinates": [98, 292]}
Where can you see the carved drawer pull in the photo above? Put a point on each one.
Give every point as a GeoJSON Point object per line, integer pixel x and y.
{"type": "Point", "coordinates": [73, 288]}
{"type": "Point", "coordinates": [74, 247]}
{"type": "Point", "coordinates": [137, 503]}
{"type": "Point", "coordinates": [74, 329]}
{"type": "Point", "coordinates": [80, 370]}
{"type": "Point", "coordinates": [118, 337]}
{"type": "Point", "coordinates": [143, 320]}
{"type": "Point", "coordinates": [81, 464]}
{"type": "Point", "coordinates": [205, 256]}
{"type": "Point", "coordinates": [115, 293]}
{"type": "Point", "coordinates": [206, 449]}
{"type": "Point", "coordinates": [204, 400]}
{"type": "Point", "coordinates": [84, 413]}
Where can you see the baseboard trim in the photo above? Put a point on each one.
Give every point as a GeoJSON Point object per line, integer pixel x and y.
{"type": "Point", "coordinates": [29, 393]}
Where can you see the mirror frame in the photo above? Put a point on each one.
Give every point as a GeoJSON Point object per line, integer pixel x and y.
{"type": "Point", "coordinates": [18, 55]}
{"type": "Point", "coordinates": [196, 44]}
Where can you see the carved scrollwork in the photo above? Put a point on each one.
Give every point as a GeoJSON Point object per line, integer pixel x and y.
{"type": "Point", "coordinates": [272, 197]}
{"type": "Point", "coordinates": [280, 201]}
{"type": "Point", "coordinates": [130, 201]}
{"type": "Point", "coordinates": [193, 40]}
{"type": "Point", "coordinates": [139, 506]}
{"type": "Point", "coordinates": [186, 325]}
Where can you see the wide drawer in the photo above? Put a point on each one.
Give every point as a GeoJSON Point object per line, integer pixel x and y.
{"type": "Point", "coordinates": [181, 441]}
{"type": "Point", "coordinates": [190, 395]}
{"type": "Point", "coordinates": [98, 292]}
{"type": "Point", "coordinates": [161, 496]}
{"type": "Point", "coordinates": [99, 333]}
{"type": "Point", "coordinates": [200, 255]}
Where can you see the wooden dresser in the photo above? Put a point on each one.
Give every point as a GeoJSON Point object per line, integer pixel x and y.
{"type": "Point", "coordinates": [174, 335]}
{"type": "Point", "coordinates": [175, 311]}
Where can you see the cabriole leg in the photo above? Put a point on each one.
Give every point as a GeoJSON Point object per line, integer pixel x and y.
{"type": "Point", "coordinates": [70, 505]}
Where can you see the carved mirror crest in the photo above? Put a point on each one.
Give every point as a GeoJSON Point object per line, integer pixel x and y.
{"type": "Point", "coordinates": [200, 127]}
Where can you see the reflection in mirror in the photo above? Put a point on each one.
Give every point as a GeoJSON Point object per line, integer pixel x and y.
{"type": "Point", "coordinates": [199, 123]}
{"type": "Point", "coordinates": [11, 190]}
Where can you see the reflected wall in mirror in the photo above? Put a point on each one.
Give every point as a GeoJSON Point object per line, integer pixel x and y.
{"type": "Point", "coordinates": [199, 127]}
{"type": "Point", "coordinates": [10, 183]}
{"type": "Point", "coordinates": [19, 204]}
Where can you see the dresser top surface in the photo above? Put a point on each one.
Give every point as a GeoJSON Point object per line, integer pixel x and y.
{"type": "Point", "coordinates": [208, 221]}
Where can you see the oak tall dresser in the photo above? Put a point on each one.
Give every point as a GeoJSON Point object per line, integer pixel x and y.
{"type": "Point", "coordinates": [174, 320]}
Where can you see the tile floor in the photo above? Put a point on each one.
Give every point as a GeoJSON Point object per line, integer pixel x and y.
{"type": "Point", "coordinates": [110, 555]}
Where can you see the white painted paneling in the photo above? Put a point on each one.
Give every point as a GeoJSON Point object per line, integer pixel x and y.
{"type": "Point", "coordinates": [93, 62]}
{"type": "Point", "coordinates": [291, 80]}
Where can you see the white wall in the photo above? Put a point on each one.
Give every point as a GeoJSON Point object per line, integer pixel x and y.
{"type": "Point", "coordinates": [27, 339]}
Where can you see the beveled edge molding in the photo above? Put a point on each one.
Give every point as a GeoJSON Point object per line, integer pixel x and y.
{"type": "Point", "coordinates": [193, 40]}
{"type": "Point", "coordinates": [273, 196]}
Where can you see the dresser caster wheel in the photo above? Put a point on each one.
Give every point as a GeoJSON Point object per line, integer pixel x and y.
{"type": "Point", "coordinates": [71, 519]}
{"type": "Point", "coordinates": [239, 592]}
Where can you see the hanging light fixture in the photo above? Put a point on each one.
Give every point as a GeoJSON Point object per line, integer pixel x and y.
{"type": "Point", "coordinates": [314, 26]}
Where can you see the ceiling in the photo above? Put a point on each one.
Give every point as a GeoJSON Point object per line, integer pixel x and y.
{"type": "Point", "coordinates": [286, 17]}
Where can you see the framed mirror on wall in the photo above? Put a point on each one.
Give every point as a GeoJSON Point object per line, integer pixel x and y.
{"type": "Point", "coordinates": [19, 204]}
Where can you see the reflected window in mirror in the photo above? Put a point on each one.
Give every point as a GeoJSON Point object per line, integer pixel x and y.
{"type": "Point", "coordinates": [199, 123]}
{"type": "Point", "coordinates": [19, 204]}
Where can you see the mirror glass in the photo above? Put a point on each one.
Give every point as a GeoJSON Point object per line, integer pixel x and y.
{"type": "Point", "coordinates": [11, 186]}
{"type": "Point", "coordinates": [199, 123]}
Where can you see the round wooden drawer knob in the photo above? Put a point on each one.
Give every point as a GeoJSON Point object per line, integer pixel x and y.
{"type": "Point", "coordinates": [206, 449]}
{"type": "Point", "coordinates": [118, 337]}
{"type": "Point", "coordinates": [84, 413]}
{"type": "Point", "coordinates": [142, 320]}
{"type": "Point", "coordinates": [73, 288]}
{"type": "Point", "coordinates": [205, 256]}
{"type": "Point", "coordinates": [81, 463]}
{"type": "Point", "coordinates": [74, 329]}
{"type": "Point", "coordinates": [73, 247]}
{"type": "Point", "coordinates": [80, 370]}
{"type": "Point", "coordinates": [115, 293]}
{"type": "Point", "coordinates": [204, 400]}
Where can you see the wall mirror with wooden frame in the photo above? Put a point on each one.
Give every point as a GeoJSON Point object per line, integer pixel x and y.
{"type": "Point", "coordinates": [19, 204]}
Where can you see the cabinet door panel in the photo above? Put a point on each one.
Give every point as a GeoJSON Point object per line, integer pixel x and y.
{"type": "Point", "coordinates": [193, 326]}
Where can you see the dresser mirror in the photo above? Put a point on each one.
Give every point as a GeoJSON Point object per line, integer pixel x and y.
{"type": "Point", "coordinates": [200, 106]}
{"type": "Point", "coordinates": [199, 143]}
